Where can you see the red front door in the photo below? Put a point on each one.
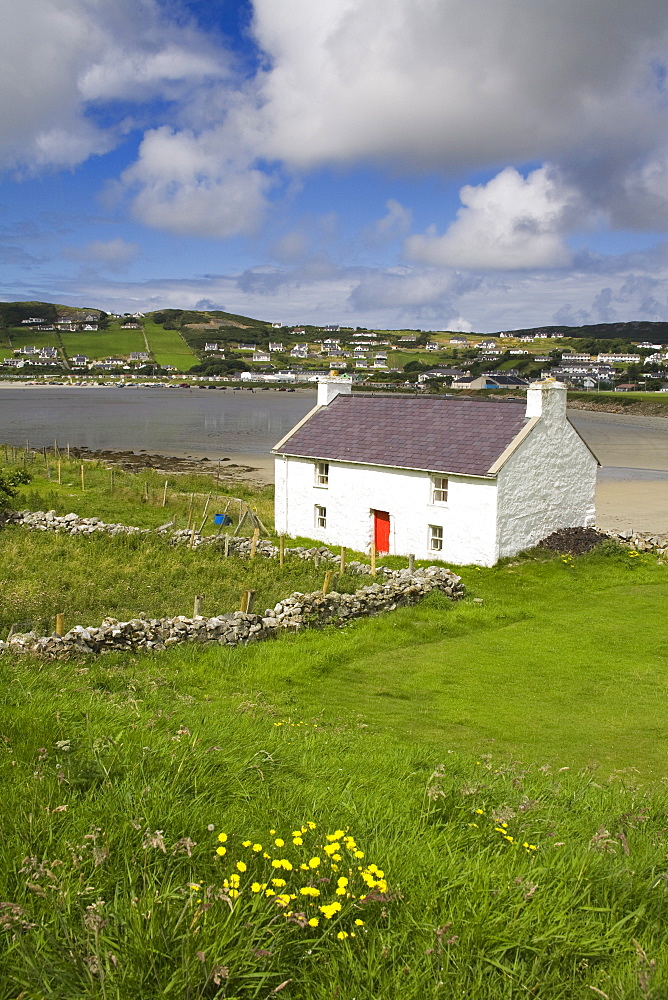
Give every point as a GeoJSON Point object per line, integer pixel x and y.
{"type": "Point", "coordinates": [381, 530]}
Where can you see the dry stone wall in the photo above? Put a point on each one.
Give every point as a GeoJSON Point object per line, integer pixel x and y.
{"type": "Point", "coordinates": [72, 524]}
{"type": "Point", "coordinates": [642, 541]}
{"type": "Point", "coordinates": [294, 613]}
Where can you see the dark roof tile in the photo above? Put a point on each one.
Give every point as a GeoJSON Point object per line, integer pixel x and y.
{"type": "Point", "coordinates": [436, 434]}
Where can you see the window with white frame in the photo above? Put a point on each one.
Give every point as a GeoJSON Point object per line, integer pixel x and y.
{"type": "Point", "coordinates": [322, 473]}
{"type": "Point", "coordinates": [439, 489]}
{"type": "Point", "coordinates": [320, 516]}
{"type": "Point", "coordinates": [435, 537]}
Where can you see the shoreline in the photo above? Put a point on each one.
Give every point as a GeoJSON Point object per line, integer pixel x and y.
{"type": "Point", "coordinates": [252, 469]}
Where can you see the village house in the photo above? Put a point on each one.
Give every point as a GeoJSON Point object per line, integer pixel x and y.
{"type": "Point", "coordinates": [462, 480]}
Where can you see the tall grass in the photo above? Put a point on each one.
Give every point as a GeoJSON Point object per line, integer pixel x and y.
{"type": "Point", "coordinates": [89, 578]}
{"type": "Point", "coordinates": [502, 880]}
{"type": "Point", "coordinates": [128, 497]}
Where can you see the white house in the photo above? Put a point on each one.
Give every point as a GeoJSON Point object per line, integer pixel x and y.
{"type": "Point", "coordinates": [463, 480]}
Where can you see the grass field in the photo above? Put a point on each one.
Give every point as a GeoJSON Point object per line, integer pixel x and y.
{"type": "Point", "coordinates": [22, 336]}
{"type": "Point", "coordinates": [109, 343]}
{"type": "Point", "coordinates": [169, 348]}
{"type": "Point", "coordinates": [500, 765]}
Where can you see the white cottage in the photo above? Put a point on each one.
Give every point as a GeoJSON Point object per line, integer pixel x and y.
{"type": "Point", "coordinates": [464, 480]}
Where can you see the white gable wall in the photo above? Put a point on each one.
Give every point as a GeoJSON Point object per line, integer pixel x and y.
{"type": "Point", "coordinates": [547, 484]}
{"type": "Point", "coordinates": [468, 517]}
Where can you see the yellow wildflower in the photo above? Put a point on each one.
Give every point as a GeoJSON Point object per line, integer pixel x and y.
{"type": "Point", "coordinates": [241, 865]}
{"type": "Point", "coordinates": [308, 890]}
{"type": "Point", "coordinates": [297, 841]}
{"type": "Point", "coordinates": [342, 935]}
{"type": "Point", "coordinates": [329, 909]}
{"type": "Point", "coordinates": [257, 847]}
{"type": "Point", "coordinates": [246, 843]}
{"type": "Point", "coordinates": [311, 825]}
{"type": "Point", "coordinates": [279, 842]}
{"type": "Point", "coordinates": [314, 862]}
{"type": "Point", "coordinates": [278, 882]}
{"type": "Point", "coordinates": [359, 923]}
{"type": "Point", "coordinates": [221, 851]}
{"type": "Point", "coordinates": [222, 837]}
{"type": "Point", "coordinates": [256, 887]}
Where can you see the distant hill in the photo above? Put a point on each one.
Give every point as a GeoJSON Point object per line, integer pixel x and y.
{"type": "Point", "coordinates": [199, 325]}
{"type": "Point", "coordinates": [639, 330]}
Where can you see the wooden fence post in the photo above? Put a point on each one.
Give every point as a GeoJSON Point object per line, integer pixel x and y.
{"type": "Point", "coordinates": [83, 479]}
{"type": "Point", "coordinates": [373, 559]}
{"type": "Point", "coordinates": [205, 514]}
{"type": "Point", "coordinates": [60, 624]}
{"type": "Point", "coordinates": [342, 563]}
{"type": "Point", "coordinates": [111, 482]}
{"type": "Point", "coordinates": [281, 550]}
{"type": "Point", "coordinates": [164, 494]}
{"type": "Point", "coordinates": [59, 473]}
{"type": "Point", "coordinates": [327, 582]}
{"type": "Point", "coordinates": [250, 601]}
{"type": "Point", "coordinates": [253, 548]}
{"type": "Point", "coordinates": [227, 545]}
{"type": "Point", "coordinates": [411, 563]}
{"type": "Point", "coordinates": [197, 609]}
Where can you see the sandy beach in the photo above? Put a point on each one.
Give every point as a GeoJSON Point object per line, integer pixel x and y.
{"type": "Point", "coordinates": [632, 489]}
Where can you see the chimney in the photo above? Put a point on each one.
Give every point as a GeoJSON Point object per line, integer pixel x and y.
{"type": "Point", "coordinates": [547, 399]}
{"type": "Point", "coordinates": [329, 388]}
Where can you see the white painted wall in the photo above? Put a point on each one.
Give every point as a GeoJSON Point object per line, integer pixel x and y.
{"type": "Point", "coordinates": [468, 517]}
{"type": "Point", "coordinates": [550, 481]}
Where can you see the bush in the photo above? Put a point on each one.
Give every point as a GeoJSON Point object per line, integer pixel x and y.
{"type": "Point", "coordinates": [9, 481]}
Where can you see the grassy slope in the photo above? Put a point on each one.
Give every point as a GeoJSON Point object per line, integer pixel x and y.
{"type": "Point", "coordinates": [169, 347]}
{"type": "Point", "coordinates": [109, 343]}
{"type": "Point", "coordinates": [563, 664]}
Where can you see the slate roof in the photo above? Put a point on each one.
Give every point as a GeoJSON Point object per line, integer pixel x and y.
{"type": "Point", "coordinates": [433, 434]}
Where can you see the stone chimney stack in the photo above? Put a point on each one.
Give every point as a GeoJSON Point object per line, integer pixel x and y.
{"type": "Point", "coordinates": [330, 387]}
{"type": "Point", "coordinates": [547, 399]}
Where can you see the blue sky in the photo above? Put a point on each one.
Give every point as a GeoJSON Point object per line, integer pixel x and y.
{"type": "Point", "coordinates": [442, 164]}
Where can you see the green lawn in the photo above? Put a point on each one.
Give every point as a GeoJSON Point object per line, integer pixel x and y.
{"type": "Point", "coordinates": [169, 348]}
{"type": "Point", "coordinates": [22, 336]}
{"type": "Point", "coordinates": [109, 343]}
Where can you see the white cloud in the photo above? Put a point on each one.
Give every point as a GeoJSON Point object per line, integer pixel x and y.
{"type": "Point", "coordinates": [410, 296]}
{"type": "Point", "coordinates": [448, 82]}
{"type": "Point", "coordinates": [509, 223]}
{"type": "Point", "coordinates": [187, 184]}
{"type": "Point", "coordinates": [394, 224]}
{"type": "Point", "coordinates": [115, 254]}
{"type": "Point", "coordinates": [60, 58]}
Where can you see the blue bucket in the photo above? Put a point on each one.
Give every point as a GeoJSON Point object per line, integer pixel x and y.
{"type": "Point", "coordinates": [223, 519]}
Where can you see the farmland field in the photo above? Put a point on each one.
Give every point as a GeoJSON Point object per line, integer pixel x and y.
{"type": "Point", "coordinates": [109, 343]}
{"type": "Point", "coordinates": [169, 348]}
